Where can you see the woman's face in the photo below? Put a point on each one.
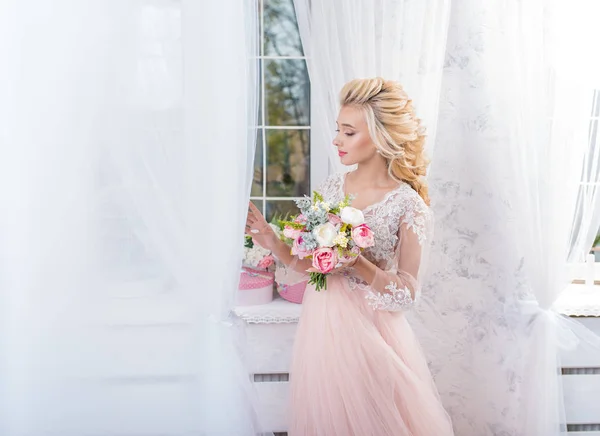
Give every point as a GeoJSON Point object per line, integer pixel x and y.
{"type": "Point", "coordinates": [353, 141]}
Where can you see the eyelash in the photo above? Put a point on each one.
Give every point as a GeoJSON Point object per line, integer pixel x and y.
{"type": "Point", "coordinates": [347, 134]}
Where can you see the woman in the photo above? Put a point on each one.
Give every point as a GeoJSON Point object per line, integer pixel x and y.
{"type": "Point", "coordinates": [358, 369]}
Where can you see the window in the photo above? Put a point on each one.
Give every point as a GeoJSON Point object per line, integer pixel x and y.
{"type": "Point", "coordinates": [577, 300]}
{"type": "Point", "coordinates": [592, 162]}
{"type": "Point", "coordinates": [583, 271]}
{"type": "Point", "coordinates": [282, 163]}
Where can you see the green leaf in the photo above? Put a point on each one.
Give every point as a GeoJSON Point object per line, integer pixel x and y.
{"type": "Point", "coordinates": [248, 242]}
{"type": "Point", "coordinates": [345, 202]}
{"type": "Point", "coordinates": [293, 225]}
{"type": "Point", "coordinates": [279, 219]}
{"type": "Point", "coordinates": [317, 197]}
{"type": "Point", "coordinates": [597, 240]}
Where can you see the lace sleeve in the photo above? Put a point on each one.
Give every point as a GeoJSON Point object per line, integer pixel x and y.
{"type": "Point", "coordinates": [398, 288]}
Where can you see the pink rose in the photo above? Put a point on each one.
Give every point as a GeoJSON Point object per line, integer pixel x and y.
{"type": "Point", "coordinates": [334, 219]}
{"type": "Point", "coordinates": [290, 232]}
{"type": "Point", "coordinates": [298, 249]}
{"type": "Point", "coordinates": [266, 262]}
{"type": "Point", "coordinates": [363, 236]}
{"type": "Point", "coordinates": [324, 259]}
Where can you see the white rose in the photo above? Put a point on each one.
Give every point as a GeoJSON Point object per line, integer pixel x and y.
{"type": "Point", "coordinates": [253, 256]}
{"type": "Point", "coordinates": [352, 216]}
{"type": "Point", "coordinates": [325, 234]}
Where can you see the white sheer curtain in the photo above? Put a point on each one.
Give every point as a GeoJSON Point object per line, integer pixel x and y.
{"type": "Point", "coordinates": [122, 215]}
{"type": "Point", "coordinates": [505, 180]}
{"type": "Point", "coordinates": [399, 40]}
{"type": "Point", "coordinates": [545, 146]}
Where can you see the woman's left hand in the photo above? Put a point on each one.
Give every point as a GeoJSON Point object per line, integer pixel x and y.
{"type": "Point", "coordinates": [259, 229]}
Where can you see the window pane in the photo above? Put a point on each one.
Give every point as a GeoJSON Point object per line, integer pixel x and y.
{"type": "Point", "coordinates": [260, 204]}
{"type": "Point", "coordinates": [593, 154]}
{"type": "Point", "coordinates": [288, 159]}
{"type": "Point", "coordinates": [282, 37]}
{"type": "Point", "coordinates": [281, 209]}
{"type": "Point", "coordinates": [257, 180]}
{"type": "Point", "coordinates": [593, 133]}
{"type": "Point", "coordinates": [287, 92]}
{"type": "Point", "coordinates": [260, 27]}
{"type": "Point", "coordinates": [596, 104]}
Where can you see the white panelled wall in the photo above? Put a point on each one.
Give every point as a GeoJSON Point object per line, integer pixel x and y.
{"type": "Point", "coordinates": [269, 338]}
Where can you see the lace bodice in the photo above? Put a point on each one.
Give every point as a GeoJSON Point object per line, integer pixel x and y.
{"type": "Point", "coordinates": [399, 220]}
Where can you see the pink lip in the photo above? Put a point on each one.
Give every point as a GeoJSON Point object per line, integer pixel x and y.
{"type": "Point", "coordinates": [342, 153]}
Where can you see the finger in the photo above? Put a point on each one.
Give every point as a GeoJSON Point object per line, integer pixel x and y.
{"type": "Point", "coordinates": [257, 213]}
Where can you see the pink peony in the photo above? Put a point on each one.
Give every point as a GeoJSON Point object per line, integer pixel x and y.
{"type": "Point", "coordinates": [334, 219]}
{"type": "Point", "coordinates": [324, 259]}
{"type": "Point", "coordinates": [298, 249]}
{"type": "Point", "coordinates": [266, 262]}
{"type": "Point", "coordinates": [363, 236]}
{"type": "Point", "coordinates": [290, 232]}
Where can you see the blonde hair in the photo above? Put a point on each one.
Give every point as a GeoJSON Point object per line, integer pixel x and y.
{"type": "Point", "coordinates": [394, 128]}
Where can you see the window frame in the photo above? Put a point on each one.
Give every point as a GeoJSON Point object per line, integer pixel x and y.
{"type": "Point", "coordinates": [318, 164]}
{"type": "Point", "coordinates": [580, 272]}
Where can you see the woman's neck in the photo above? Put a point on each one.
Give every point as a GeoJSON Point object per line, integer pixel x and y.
{"type": "Point", "coordinates": [373, 172]}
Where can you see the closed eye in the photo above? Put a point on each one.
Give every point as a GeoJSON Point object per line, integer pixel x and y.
{"type": "Point", "coordinates": [347, 134]}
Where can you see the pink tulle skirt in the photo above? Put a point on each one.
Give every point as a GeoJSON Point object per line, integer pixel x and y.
{"type": "Point", "coordinates": [359, 372]}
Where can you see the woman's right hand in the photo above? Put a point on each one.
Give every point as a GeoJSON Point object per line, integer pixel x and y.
{"type": "Point", "coordinates": [259, 229]}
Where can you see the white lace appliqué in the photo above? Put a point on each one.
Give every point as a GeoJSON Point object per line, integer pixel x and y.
{"type": "Point", "coordinates": [395, 300]}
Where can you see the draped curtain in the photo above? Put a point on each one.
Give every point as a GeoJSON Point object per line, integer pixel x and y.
{"type": "Point", "coordinates": [395, 39]}
{"type": "Point", "coordinates": [512, 142]}
{"type": "Point", "coordinates": [122, 215]}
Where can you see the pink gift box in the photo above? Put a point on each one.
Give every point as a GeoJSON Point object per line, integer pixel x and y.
{"type": "Point", "coordinates": [256, 287]}
{"type": "Point", "coordinates": [292, 293]}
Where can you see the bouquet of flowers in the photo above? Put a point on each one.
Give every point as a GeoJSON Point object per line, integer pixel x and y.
{"type": "Point", "coordinates": [329, 234]}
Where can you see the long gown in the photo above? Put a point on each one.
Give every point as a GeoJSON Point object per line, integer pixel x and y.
{"type": "Point", "coordinates": [357, 368]}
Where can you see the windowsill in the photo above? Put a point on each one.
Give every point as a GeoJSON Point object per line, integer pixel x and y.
{"type": "Point", "coordinates": [579, 300]}
{"type": "Point", "coordinates": [278, 311]}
